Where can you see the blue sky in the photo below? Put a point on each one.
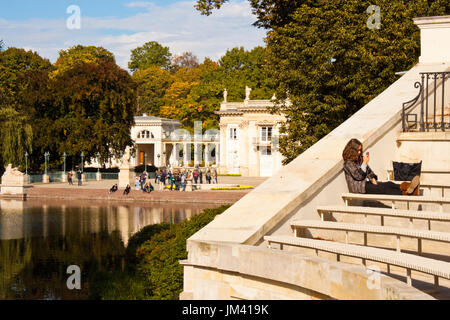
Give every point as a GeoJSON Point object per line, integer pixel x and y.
{"type": "Point", "coordinates": [122, 25]}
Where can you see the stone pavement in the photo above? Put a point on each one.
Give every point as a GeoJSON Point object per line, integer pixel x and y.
{"type": "Point", "coordinates": [98, 190]}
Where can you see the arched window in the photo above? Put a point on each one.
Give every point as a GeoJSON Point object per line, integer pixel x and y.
{"type": "Point", "coordinates": [145, 134]}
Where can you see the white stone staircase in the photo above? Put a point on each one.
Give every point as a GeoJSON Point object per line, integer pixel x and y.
{"type": "Point", "coordinates": [358, 234]}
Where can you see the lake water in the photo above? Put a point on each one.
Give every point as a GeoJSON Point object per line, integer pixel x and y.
{"type": "Point", "coordinates": [39, 240]}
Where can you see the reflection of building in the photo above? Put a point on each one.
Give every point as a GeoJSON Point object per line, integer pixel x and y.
{"type": "Point", "coordinates": [249, 137]}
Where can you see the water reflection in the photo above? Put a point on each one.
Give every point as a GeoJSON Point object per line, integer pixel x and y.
{"type": "Point", "coordinates": [39, 240]}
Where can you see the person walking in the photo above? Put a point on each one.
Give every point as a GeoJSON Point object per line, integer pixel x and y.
{"type": "Point", "coordinates": [214, 176]}
{"type": "Point", "coordinates": [137, 183]}
{"type": "Point", "coordinates": [79, 177]}
{"type": "Point", "coordinates": [69, 177]}
{"type": "Point", "coordinates": [183, 181]}
{"type": "Point", "coordinates": [200, 175]}
{"type": "Point", "coordinates": [208, 177]}
{"type": "Point", "coordinates": [172, 181]}
{"type": "Point", "coordinates": [195, 175]}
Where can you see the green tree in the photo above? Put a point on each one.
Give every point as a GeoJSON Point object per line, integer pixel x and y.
{"type": "Point", "coordinates": [16, 65]}
{"type": "Point", "coordinates": [17, 136]}
{"type": "Point", "coordinates": [239, 68]}
{"type": "Point", "coordinates": [23, 96]}
{"type": "Point", "coordinates": [152, 84]}
{"type": "Point", "coordinates": [79, 54]}
{"type": "Point", "coordinates": [150, 54]}
{"type": "Point", "coordinates": [328, 61]}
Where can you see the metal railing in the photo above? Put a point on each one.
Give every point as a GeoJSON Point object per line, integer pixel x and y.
{"type": "Point", "coordinates": [432, 104]}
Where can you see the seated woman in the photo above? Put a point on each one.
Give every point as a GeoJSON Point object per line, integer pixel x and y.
{"type": "Point", "coordinates": [361, 179]}
{"type": "Point", "coordinates": [113, 189]}
{"type": "Point", "coordinates": [127, 190]}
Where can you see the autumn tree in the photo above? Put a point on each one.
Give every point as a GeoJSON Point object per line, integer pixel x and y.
{"type": "Point", "coordinates": [79, 54]}
{"type": "Point", "coordinates": [149, 55]}
{"type": "Point", "coordinates": [93, 108]}
{"type": "Point", "coordinates": [152, 84]}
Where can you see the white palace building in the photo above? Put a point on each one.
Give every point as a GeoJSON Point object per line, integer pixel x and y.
{"type": "Point", "coordinates": [246, 144]}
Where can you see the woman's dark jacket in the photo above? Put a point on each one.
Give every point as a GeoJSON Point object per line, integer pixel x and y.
{"type": "Point", "coordinates": [356, 177]}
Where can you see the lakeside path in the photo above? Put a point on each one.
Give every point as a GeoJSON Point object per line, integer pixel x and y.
{"type": "Point", "coordinates": [98, 190]}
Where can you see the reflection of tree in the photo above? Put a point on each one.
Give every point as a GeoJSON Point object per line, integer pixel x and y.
{"type": "Point", "coordinates": [14, 255]}
{"type": "Point", "coordinates": [36, 268]}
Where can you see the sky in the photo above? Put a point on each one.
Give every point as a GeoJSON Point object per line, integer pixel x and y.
{"type": "Point", "coordinates": [48, 26]}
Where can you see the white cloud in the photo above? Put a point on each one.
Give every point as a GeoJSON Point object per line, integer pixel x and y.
{"type": "Point", "coordinates": [178, 26]}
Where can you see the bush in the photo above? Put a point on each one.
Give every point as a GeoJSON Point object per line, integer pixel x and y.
{"type": "Point", "coordinates": [159, 257]}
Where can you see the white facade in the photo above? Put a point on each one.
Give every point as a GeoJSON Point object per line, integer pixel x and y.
{"type": "Point", "coordinates": [249, 136]}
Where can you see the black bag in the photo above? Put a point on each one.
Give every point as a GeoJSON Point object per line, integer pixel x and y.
{"type": "Point", "coordinates": [406, 171]}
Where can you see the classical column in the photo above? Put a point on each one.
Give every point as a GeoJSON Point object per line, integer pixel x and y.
{"type": "Point", "coordinates": [223, 142]}
{"type": "Point", "coordinates": [216, 153]}
{"type": "Point", "coordinates": [207, 159]}
{"type": "Point", "coordinates": [196, 154]}
{"type": "Point", "coordinates": [185, 155]}
{"type": "Point", "coordinates": [158, 148]}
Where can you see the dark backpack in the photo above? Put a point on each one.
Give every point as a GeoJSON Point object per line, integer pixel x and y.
{"type": "Point", "coordinates": [406, 171]}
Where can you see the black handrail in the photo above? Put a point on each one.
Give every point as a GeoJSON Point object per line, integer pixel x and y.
{"type": "Point", "coordinates": [425, 94]}
{"type": "Point", "coordinates": [411, 103]}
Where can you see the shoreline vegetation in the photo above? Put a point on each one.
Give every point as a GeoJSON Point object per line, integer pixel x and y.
{"type": "Point", "coordinates": [151, 269]}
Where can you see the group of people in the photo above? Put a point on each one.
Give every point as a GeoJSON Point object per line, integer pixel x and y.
{"type": "Point", "coordinates": [178, 180]}
{"type": "Point", "coordinates": [70, 177]}
{"type": "Point", "coordinates": [143, 183]}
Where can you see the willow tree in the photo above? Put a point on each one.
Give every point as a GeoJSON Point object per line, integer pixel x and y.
{"type": "Point", "coordinates": [331, 58]}
{"type": "Point", "coordinates": [17, 137]}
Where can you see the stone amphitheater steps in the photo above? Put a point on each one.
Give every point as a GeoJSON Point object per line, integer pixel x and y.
{"type": "Point", "coordinates": [395, 258]}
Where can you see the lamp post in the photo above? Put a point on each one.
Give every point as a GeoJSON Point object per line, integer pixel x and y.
{"type": "Point", "coordinates": [98, 160]}
{"type": "Point", "coordinates": [82, 158]}
{"type": "Point", "coordinates": [159, 156]}
{"type": "Point", "coordinates": [46, 155]}
{"type": "Point", "coordinates": [145, 161]}
{"type": "Point", "coordinates": [26, 163]}
{"type": "Point", "coordinates": [64, 156]}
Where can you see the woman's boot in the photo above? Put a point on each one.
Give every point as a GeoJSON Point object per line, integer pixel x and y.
{"type": "Point", "coordinates": [411, 188]}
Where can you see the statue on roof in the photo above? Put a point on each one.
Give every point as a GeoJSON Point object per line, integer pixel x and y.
{"type": "Point", "coordinates": [225, 95]}
{"type": "Point", "coordinates": [247, 93]}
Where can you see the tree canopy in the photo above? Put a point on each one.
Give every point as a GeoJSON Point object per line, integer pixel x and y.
{"type": "Point", "coordinates": [150, 54]}
{"type": "Point", "coordinates": [322, 55]}
{"type": "Point", "coordinates": [83, 103]}
{"type": "Point", "coordinates": [79, 54]}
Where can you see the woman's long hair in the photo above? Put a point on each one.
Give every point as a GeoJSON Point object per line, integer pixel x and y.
{"type": "Point", "coordinates": [351, 150]}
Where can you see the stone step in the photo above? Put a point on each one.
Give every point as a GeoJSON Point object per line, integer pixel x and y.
{"type": "Point", "coordinates": [394, 198]}
{"type": "Point", "coordinates": [364, 228]}
{"type": "Point", "coordinates": [411, 214]}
